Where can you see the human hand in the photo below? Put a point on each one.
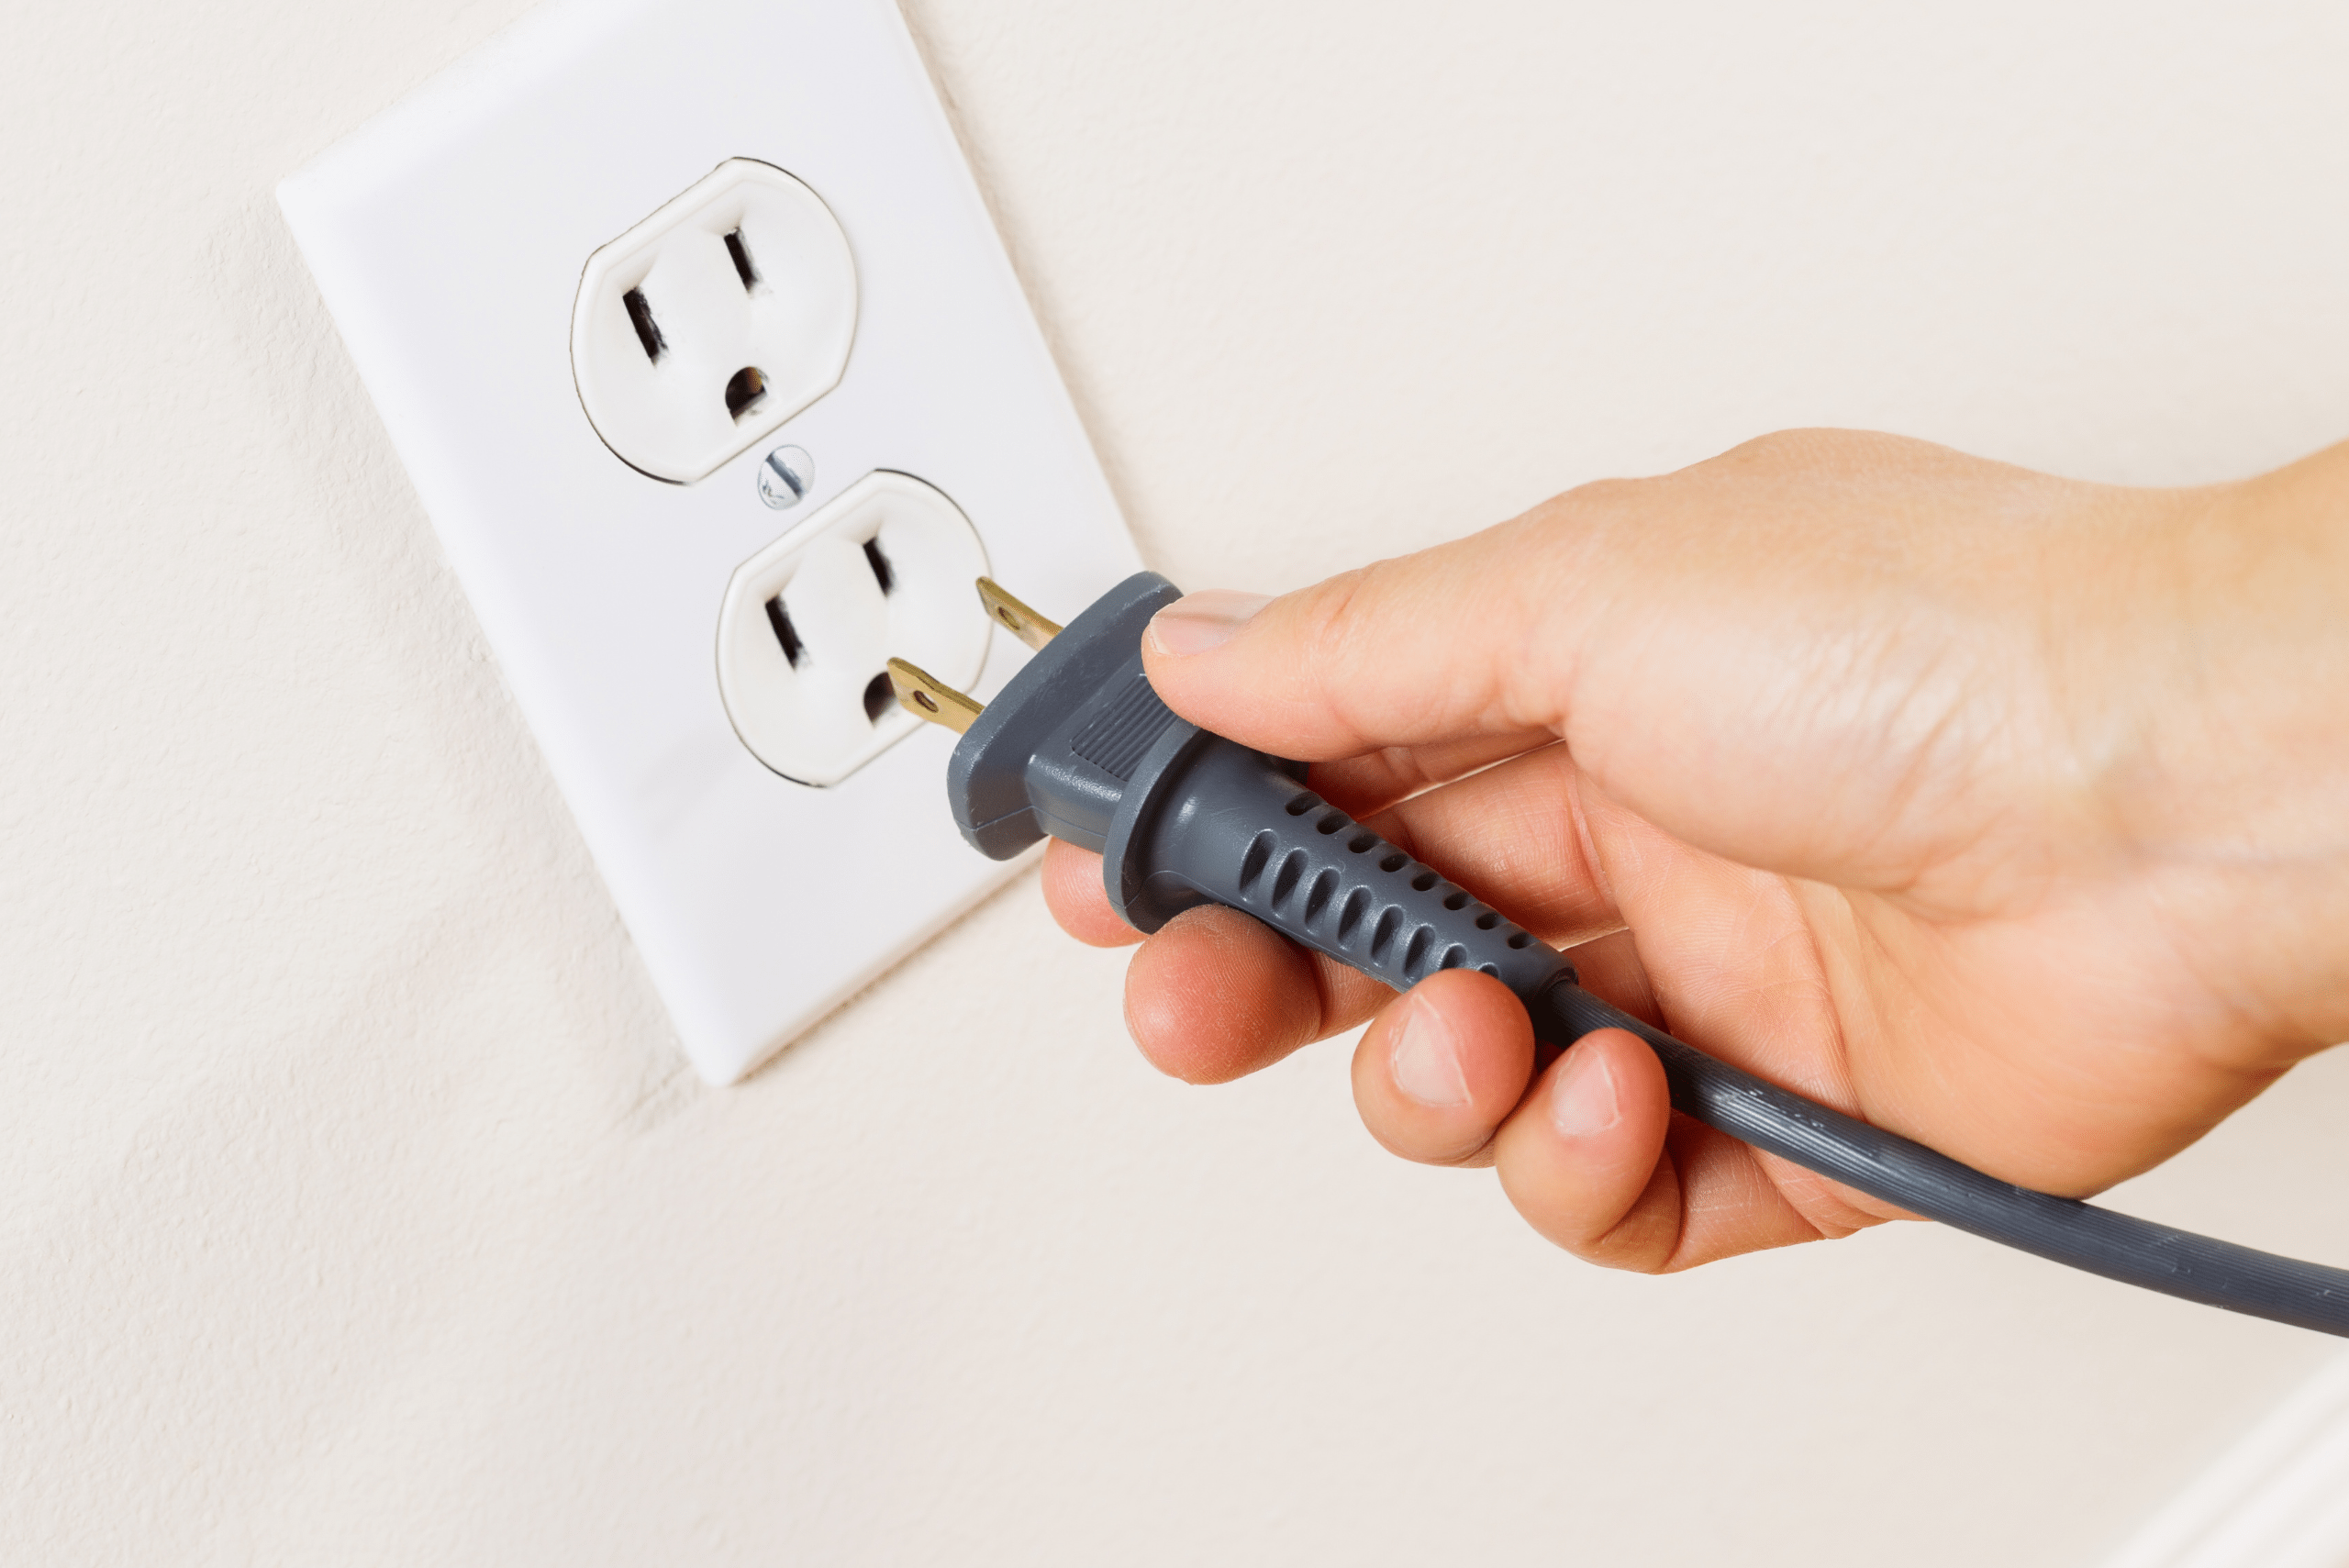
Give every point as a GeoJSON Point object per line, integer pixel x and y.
{"type": "Point", "coordinates": [2005, 812]}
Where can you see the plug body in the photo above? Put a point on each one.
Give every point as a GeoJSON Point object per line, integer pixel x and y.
{"type": "Point", "coordinates": [1079, 747]}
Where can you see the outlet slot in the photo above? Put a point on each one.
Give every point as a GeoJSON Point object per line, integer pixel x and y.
{"type": "Point", "coordinates": [648, 331]}
{"type": "Point", "coordinates": [740, 251]}
{"type": "Point", "coordinates": [745, 392]}
{"type": "Point", "coordinates": [880, 698]}
{"type": "Point", "coordinates": [758, 306]}
{"type": "Point", "coordinates": [884, 569]}
{"type": "Point", "coordinates": [786, 635]}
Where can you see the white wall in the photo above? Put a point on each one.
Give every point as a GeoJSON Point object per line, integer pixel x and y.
{"type": "Point", "coordinates": [353, 1203]}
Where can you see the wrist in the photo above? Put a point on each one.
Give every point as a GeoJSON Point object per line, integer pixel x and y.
{"type": "Point", "coordinates": [2233, 792]}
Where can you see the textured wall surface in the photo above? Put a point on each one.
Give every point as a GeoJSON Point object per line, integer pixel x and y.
{"type": "Point", "coordinates": [354, 1205]}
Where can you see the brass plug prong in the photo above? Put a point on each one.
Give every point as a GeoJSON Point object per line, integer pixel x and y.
{"type": "Point", "coordinates": [1014, 617]}
{"type": "Point", "coordinates": [926, 696]}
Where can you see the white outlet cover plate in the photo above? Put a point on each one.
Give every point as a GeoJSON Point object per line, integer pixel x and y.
{"type": "Point", "coordinates": [448, 235]}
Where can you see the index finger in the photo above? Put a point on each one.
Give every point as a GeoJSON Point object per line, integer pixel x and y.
{"type": "Point", "coordinates": [1478, 637]}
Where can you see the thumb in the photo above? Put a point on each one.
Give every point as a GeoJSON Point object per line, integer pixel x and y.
{"type": "Point", "coordinates": [1471, 637]}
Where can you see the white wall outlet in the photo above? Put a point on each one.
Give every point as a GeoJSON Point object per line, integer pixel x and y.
{"type": "Point", "coordinates": [810, 622]}
{"type": "Point", "coordinates": [477, 244]}
{"type": "Point", "coordinates": [713, 321]}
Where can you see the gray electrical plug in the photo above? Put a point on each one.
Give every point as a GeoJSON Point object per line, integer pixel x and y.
{"type": "Point", "coordinates": [1078, 747]}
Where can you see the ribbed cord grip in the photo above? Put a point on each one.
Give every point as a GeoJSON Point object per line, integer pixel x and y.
{"type": "Point", "coordinates": [1246, 835]}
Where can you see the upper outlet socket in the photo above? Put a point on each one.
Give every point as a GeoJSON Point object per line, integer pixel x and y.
{"type": "Point", "coordinates": [714, 320]}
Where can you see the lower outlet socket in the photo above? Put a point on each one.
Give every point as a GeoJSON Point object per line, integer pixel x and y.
{"type": "Point", "coordinates": [809, 624]}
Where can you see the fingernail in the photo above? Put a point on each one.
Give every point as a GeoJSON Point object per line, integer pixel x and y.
{"type": "Point", "coordinates": [1425, 1058]}
{"type": "Point", "coordinates": [1582, 1102]}
{"type": "Point", "coordinates": [1203, 621]}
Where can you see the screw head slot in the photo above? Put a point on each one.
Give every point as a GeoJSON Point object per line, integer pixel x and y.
{"type": "Point", "coordinates": [785, 477]}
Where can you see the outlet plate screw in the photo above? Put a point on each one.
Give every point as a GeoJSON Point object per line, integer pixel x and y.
{"type": "Point", "coordinates": [785, 475]}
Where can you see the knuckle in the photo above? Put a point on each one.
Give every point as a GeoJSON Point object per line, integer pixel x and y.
{"type": "Point", "coordinates": [1591, 508]}
{"type": "Point", "coordinates": [1326, 614]}
{"type": "Point", "coordinates": [1777, 449]}
{"type": "Point", "coordinates": [1625, 1248]}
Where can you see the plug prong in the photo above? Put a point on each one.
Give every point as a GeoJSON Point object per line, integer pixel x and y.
{"type": "Point", "coordinates": [1015, 617]}
{"type": "Point", "coordinates": [924, 695]}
